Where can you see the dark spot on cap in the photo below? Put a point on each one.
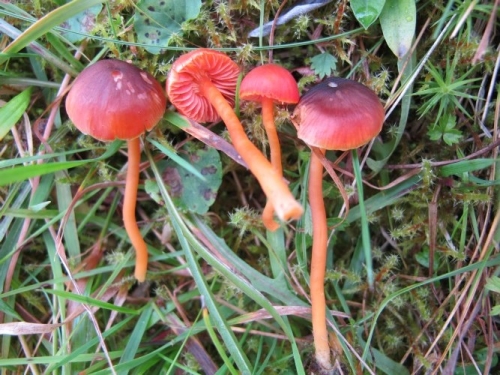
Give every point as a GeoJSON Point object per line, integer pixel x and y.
{"type": "Point", "coordinates": [151, 8]}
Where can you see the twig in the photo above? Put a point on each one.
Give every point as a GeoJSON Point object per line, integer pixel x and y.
{"type": "Point", "coordinates": [273, 27]}
{"type": "Point", "coordinates": [484, 150]}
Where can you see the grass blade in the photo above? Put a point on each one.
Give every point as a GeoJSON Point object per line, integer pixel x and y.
{"type": "Point", "coordinates": [182, 233]}
{"type": "Point", "coordinates": [11, 112]}
{"type": "Point", "coordinates": [46, 24]}
{"type": "Point", "coordinates": [16, 174]}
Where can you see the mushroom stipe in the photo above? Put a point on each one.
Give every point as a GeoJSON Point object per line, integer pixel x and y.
{"type": "Point", "coordinates": [270, 84]}
{"type": "Point", "coordinates": [110, 100]}
{"type": "Point", "coordinates": [336, 114]}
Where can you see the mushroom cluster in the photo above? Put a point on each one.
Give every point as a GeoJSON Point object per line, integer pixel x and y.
{"type": "Point", "coordinates": [336, 114]}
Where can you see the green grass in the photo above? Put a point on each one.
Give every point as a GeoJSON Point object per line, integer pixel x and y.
{"type": "Point", "coordinates": [223, 295]}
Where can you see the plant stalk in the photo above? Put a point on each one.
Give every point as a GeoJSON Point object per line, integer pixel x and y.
{"type": "Point", "coordinates": [129, 202]}
{"type": "Point", "coordinates": [318, 263]}
{"type": "Point", "coordinates": [365, 232]}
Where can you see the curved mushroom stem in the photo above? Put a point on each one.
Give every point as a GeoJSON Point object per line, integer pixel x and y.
{"type": "Point", "coordinates": [272, 183]}
{"type": "Point", "coordinates": [129, 200]}
{"type": "Point", "coordinates": [318, 263]}
{"type": "Point", "coordinates": [275, 151]}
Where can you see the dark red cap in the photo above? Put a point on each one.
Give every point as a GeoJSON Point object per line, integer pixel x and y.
{"type": "Point", "coordinates": [338, 114]}
{"type": "Point", "coordinates": [112, 99]}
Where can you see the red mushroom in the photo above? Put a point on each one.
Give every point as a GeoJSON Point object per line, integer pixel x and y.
{"type": "Point", "coordinates": [111, 100]}
{"type": "Point", "coordinates": [202, 85]}
{"type": "Point", "coordinates": [337, 114]}
{"type": "Point", "coordinates": [268, 84]}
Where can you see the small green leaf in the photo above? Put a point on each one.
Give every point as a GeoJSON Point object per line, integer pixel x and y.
{"type": "Point", "coordinates": [398, 21]}
{"type": "Point", "coordinates": [423, 258]}
{"type": "Point", "coordinates": [176, 119]}
{"type": "Point", "coordinates": [152, 188]}
{"type": "Point", "coordinates": [493, 284]}
{"type": "Point", "coordinates": [156, 21]}
{"type": "Point", "coordinates": [11, 112]}
{"type": "Point", "coordinates": [170, 152]}
{"type": "Point", "coordinates": [495, 310]}
{"type": "Point", "coordinates": [324, 64]}
{"type": "Point", "coordinates": [367, 11]}
{"type": "Point", "coordinates": [445, 129]}
{"type": "Point", "coordinates": [187, 190]}
{"type": "Point", "coordinates": [452, 136]}
{"type": "Point", "coordinates": [82, 24]}
{"type": "Point", "coordinates": [434, 134]}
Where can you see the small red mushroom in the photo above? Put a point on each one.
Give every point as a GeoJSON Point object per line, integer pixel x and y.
{"type": "Point", "coordinates": [111, 100]}
{"type": "Point", "coordinates": [336, 114]}
{"type": "Point", "coordinates": [202, 86]}
{"type": "Point", "coordinates": [269, 84]}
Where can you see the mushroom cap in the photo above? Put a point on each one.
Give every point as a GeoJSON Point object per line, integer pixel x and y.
{"type": "Point", "coordinates": [112, 99]}
{"type": "Point", "coordinates": [338, 114]}
{"type": "Point", "coordinates": [269, 81]}
{"type": "Point", "coordinates": [189, 71]}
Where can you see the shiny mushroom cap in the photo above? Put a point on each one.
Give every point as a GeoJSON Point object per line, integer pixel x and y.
{"type": "Point", "coordinates": [190, 71]}
{"type": "Point", "coordinates": [338, 114]}
{"type": "Point", "coordinates": [112, 99]}
{"type": "Point", "coordinates": [270, 81]}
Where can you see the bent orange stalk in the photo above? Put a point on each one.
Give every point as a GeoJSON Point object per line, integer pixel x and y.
{"type": "Point", "coordinates": [129, 203]}
{"type": "Point", "coordinates": [270, 180]}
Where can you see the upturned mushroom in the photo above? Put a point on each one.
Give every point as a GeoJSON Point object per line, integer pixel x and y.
{"type": "Point", "coordinates": [269, 84]}
{"type": "Point", "coordinates": [336, 114]}
{"type": "Point", "coordinates": [202, 85]}
{"type": "Point", "coordinates": [111, 100]}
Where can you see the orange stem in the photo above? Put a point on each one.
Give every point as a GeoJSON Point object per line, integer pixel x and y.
{"type": "Point", "coordinates": [272, 183]}
{"type": "Point", "coordinates": [129, 200]}
{"type": "Point", "coordinates": [268, 217]}
{"type": "Point", "coordinates": [275, 151]}
{"type": "Point", "coordinates": [318, 263]}
{"type": "Point", "coordinates": [272, 134]}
